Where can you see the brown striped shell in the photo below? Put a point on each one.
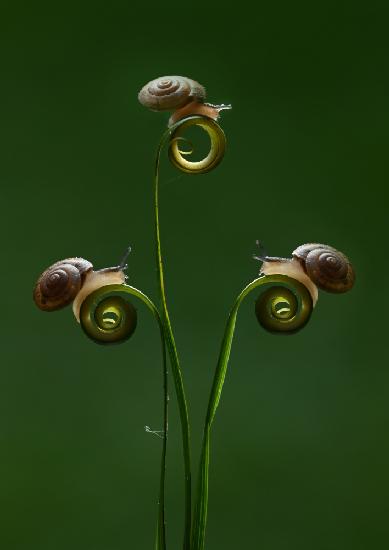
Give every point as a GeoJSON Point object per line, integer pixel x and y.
{"type": "Point", "coordinates": [168, 93]}
{"type": "Point", "coordinates": [60, 283]}
{"type": "Point", "coordinates": [328, 268]}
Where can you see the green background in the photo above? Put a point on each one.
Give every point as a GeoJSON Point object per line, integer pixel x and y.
{"type": "Point", "coordinates": [300, 451]}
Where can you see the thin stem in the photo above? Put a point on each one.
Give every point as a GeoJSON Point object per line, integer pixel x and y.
{"type": "Point", "coordinates": [201, 509]}
{"type": "Point", "coordinates": [174, 360]}
{"type": "Point", "coordinates": [160, 543]}
{"type": "Point", "coordinates": [161, 526]}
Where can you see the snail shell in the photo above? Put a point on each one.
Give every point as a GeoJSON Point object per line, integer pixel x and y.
{"type": "Point", "coordinates": [328, 268]}
{"type": "Point", "coordinates": [72, 280]}
{"type": "Point", "coordinates": [60, 283]}
{"type": "Point", "coordinates": [168, 93]}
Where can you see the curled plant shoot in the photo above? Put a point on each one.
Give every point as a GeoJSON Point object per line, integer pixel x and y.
{"type": "Point", "coordinates": [286, 291]}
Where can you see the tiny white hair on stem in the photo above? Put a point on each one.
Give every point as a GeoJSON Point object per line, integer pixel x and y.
{"type": "Point", "coordinates": [158, 433]}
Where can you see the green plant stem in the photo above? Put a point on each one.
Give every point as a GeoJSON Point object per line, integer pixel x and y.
{"type": "Point", "coordinates": [174, 360]}
{"type": "Point", "coordinates": [88, 324]}
{"type": "Point", "coordinates": [200, 514]}
{"type": "Point", "coordinates": [161, 525]}
{"type": "Point", "coordinates": [160, 543]}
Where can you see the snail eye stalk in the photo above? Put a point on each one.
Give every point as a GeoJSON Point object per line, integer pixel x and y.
{"type": "Point", "coordinates": [123, 262]}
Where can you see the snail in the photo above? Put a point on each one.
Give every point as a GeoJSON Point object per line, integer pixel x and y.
{"type": "Point", "coordinates": [314, 265]}
{"type": "Point", "coordinates": [182, 95]}
{"type": "Point", "coordinates": [72, 280]}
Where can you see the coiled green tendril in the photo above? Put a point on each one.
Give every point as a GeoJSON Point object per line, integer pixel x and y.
{"type": "Point", "coordinates": [216, 150]}
{"type": "Point", "coordinates": [284, 306]}
{"type": "Point", "coordinates": [106, 317]}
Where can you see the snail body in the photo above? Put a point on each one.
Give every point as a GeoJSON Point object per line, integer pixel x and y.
{"type": "Point", "coordinates": [316, 266]}
{"type": "Point", "coordinates": [290, 267]}
{"type": "Point", "coordinates": [72, 280]}
{"type": "Point", "coordinates": [180, 94]}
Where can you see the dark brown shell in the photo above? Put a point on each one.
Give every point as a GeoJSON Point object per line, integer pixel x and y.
{"type": "Point", "coordinates": [60, 283]}
{"type": "Point", "coordinates": [168, 93]}
{"type": "Point", "coordinates": [328, 268]}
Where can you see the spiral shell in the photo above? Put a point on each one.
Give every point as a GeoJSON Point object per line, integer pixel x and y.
{"type": "Point", "coordinates": [60, 283]}
{"type": "Point", "coordinates": [328, 268]}
{"type": "Point", "coordinates": [168, 93]}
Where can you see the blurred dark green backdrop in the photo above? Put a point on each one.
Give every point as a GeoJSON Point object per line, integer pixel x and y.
{"type": "Point", "coordinates": [300, 445]}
